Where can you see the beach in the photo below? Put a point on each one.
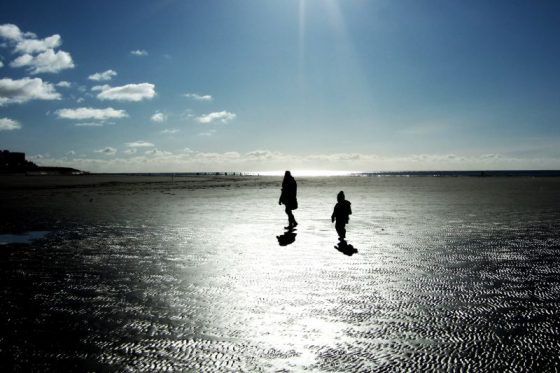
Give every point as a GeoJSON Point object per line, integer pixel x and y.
{"type": "Point", "coordinates": [150, 273]}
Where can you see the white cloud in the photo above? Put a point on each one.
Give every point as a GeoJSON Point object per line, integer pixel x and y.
{"type": "Point", "coordinates": [64, 84]}
{"type": "Point", "coordinates": [170, 131]}
{"type": "Point", "coordinates": [196, 96]}
{"type": "Point", "coordinates": [140, 144]}
{"type": "Point", "coordinates": [38, 55]}
{"type": "Point", "coordinates": [129, 92]}
{"type": "Point", "coordinates": [48, 61]}
{"type": "Point", "coordinates": [159, 117]}
{"type": "Point", "coordinates": [38, 45]}
{"type": "Point", "coordinates": [85, 113]}
{"type": "Point", "coordinates": [70, 153]}
{"type": "Point", "coordinates": [139, 52]}
{"type": "Point", "coordinates": [7, 124]}
{"type": "Point", "coordinates": [1, 64]}
{"type": "Point", "coordinates": [130, 151]}
{"type": "Point", "coordinates": [13, 33]}
{"type": "Point", "coordinates": [105, 75]}
{"type": "Point", "coordinates": [26, 89]}
{"type": "Point", "coordinates": [222, 116]}
{"type": "Point", "coordinates": [107, 150]}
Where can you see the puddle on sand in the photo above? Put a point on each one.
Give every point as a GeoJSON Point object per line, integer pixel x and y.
{"type": "Point", "coordinates": [23, 238]}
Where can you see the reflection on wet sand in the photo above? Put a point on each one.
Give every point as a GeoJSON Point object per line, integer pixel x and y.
{"type": "Point", "coordinates": [345, 248]}
{"type": "Point", "coordinates": [287, 237]}
{"type": "Point", "coordinates": [452, 274]}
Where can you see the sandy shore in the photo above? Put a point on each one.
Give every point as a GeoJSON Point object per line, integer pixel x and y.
{"type": "Point", "coordinates": [142, 274]}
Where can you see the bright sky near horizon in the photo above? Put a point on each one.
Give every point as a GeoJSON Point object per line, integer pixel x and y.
{"type": "Point", "coordinates": [261, 85]}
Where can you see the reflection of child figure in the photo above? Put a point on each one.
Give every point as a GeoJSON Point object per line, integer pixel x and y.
{"type": "Point", "coordinates": [341, 214]}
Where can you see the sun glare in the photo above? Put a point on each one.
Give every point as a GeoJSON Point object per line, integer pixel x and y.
{"type": "Point", "coordinates": [312, 173]}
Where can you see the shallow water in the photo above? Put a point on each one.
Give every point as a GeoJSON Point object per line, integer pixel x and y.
{"type": "Point", "coordinates": [450, 274]}
{"type": "Point", "coordinates": [22, 238]}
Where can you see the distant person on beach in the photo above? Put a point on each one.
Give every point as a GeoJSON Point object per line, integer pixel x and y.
{"type": "Point", "coordinates": [289, 198]}
{"type": "Point", "coordinates": [341, 214]}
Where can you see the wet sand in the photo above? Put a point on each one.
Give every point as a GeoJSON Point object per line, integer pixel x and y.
{"type": "Point", "coordinates": [142, 274]}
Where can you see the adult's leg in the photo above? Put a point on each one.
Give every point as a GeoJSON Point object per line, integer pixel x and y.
{"type": "Point", "coordinates": [291, 219]}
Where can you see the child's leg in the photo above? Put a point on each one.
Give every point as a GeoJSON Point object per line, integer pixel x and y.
{"type": "Point", "coordinates": [341, 230]}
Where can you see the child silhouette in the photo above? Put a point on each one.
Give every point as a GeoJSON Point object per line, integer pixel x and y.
{"type": "Point", "coordinates": [341, 214]}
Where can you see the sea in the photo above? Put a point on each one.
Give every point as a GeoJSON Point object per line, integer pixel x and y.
{"type": "Point", "coordinates": [448, 271]}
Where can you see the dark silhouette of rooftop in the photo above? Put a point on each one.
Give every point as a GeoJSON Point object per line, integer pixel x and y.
{"type": "Point", "coordinates": [15, 163]}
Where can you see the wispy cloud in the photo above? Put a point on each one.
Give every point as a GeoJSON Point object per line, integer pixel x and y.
{"type": "Point", "coordinates": [37, 55]}
{"type": "Point", "coordinates": [128, 92]}
{"type": "Point", "coordinates": [140, 144]}
{"type": "Point", "coordinates": [108, 150]}
{"type": "Point", "coordinates": [157, 152]}
{"type": "Point", "coordinates": [197, 97]}
{"type": "Point", "coordinates": [159, 117]}
{"type": "Point", "coordinates": [170, 131]}
{"type": "Point", "coordinates": [139, 52]}
{"type": "Point", "coordinates": [207, 133]}
{"type": "Point", "coordinates": [105, 75]}
{"type": "Point", "coordinates": [7, 124]}
{"type": "Point", "coordinates": [90, 124]}
{"type": "Point", "coordinates": [26, 89]}
{"type": "Point", "coordinates": [1, 64]}
{"type": "Point", "coordinates": [64, 84]}
{"type": "Point", "coordinates": [262, 160]}
{"type": "Point", "coordinates": [85, 113]}
{"type": "Point", "coordinates": [222, 116]}
{"type": "Point", "coordinates": [38, 156]}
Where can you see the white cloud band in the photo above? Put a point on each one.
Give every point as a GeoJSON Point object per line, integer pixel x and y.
{"type": "Point", "coordinates": [105, 75]}
{"type": "Point", "coordinates": [87, 113]}
{"type": "Point", "coordinates": [140, 144]}
{"type": "Point", "coordinates": [128, 92]}
{"type": "Point", "coordinates": [197, 97]}
{"type": "Point", "coordinates": [222, 116]}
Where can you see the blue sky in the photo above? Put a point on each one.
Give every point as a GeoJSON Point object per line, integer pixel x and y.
{"type": "Point", "coordinates": [176, 85]}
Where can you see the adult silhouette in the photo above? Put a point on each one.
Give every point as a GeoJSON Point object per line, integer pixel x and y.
{"type": "Point", "coordinates": [289, 198]}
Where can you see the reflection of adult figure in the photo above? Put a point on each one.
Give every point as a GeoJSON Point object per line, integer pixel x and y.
{"type": "Point", "coordinates": [288, 197]}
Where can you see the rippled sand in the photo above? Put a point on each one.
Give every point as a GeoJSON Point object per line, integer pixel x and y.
{"type": "Point", "coordinates": [141, 274]}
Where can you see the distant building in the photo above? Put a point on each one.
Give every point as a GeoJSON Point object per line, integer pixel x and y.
{"type": "Point", "coordinates": [15, 163]}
